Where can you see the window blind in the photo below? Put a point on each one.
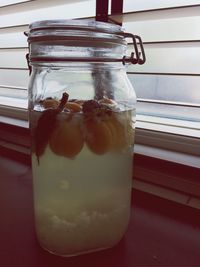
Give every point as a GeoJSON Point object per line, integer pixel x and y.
{"type": "Point", "coordinates": [15, 18]}
{"type": "Point", "coordinates": [167, 85]}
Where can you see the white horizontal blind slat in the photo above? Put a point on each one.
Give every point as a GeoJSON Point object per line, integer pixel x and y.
{"type": "Point", "coordinates": [14, 78]}
{"type": "Point", "coordinates": [170, 111]}
{"type": "Point", "coordinates": [35, 4]}
{"type": "Point", "coordinates": [14, 29]}
{"type": "Point", "coordinates": [178, 12]}
{"type": "Point", "coordinates": [16, 39]}
{"type": "Point", "coordinates": [14, 92]}
{"type": "Point", "coordinates": [11, 2]}
{"type": "Point", "coordinates": [13, 58]}
{"type": "Point", "coordinates": [182, 89]}
{"type": "Point", "coordinates": [37, 11]}
{"type": "Point", "coordinates": [138, 5]}
{"type": "Point", "coordinates": [14, 102]}
{"type": "Point", "coordinates": [174, 29]}
{"type": "Point", "coordinates": [170, 58]}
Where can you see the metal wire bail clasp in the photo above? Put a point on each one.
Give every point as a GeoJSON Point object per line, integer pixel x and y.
{"type": "Point", "coordinates": [138, 56]}
{"type": "Point", "coordinates": [28, 57]}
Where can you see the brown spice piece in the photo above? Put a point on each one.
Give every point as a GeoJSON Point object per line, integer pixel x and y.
{"type": "Point", "coordinates": [90, 106]}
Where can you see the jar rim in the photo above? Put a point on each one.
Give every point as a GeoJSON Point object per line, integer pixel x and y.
{"type": "Point", "coordinates": [75, 30]}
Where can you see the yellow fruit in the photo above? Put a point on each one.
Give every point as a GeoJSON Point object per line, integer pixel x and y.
{"type": "Point", "coordinates": [118, 133]}
{"type": "Point", "coordinates": [50, 103]}
{"type": "Point", "coordinates": [98, 136]}
{"type": "Point", "coordinates": [67, 138]}
{"type": "Point", "coordinates": [122, 132]}
{"type": "Point", "coordinates": [107, 101]}
{"type": "Point", "coordinates": [73, 107]}
{"type": "Point", "coordinates": [113, 131]}
{"type": "Point", "coordinates": [80, 102]}
{"type": "Point", "coordinates": [130, 134]}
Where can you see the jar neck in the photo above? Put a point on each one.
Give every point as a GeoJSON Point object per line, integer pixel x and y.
{"type": "Point", "coordinates": [73, 51]}
{"type": "Point", "coordinates": [80, 66]}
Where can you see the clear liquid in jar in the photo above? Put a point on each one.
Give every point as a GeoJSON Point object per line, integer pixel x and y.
{"type": "Point", "coordinates": [82, 193]}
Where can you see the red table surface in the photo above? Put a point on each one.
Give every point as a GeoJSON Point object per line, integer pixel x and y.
{"type": "Point", "coordinates": [160, 233]}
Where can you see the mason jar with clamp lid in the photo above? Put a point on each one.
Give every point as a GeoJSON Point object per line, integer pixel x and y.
{"type": "Point", "coordinates": [82, 117]}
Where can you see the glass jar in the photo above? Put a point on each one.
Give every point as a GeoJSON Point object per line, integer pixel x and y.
{"type": "Point", "coordinates": [82, 114]}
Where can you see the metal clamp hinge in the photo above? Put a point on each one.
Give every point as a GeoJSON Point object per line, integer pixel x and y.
{"type": "Point", "coordinates": [28, 63]}
{"type": "Point", "coordinates": [138, 56]}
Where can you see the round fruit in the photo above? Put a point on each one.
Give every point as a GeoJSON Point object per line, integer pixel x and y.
{"type": "Point", "coordinates": [50, 103]}
{"type": "Point", "coordinates": [130, 134]}
{"type": "Point", "coordinates": [98, 136]}
{"type": "Point", "coordinates": [73, 107]}
{"type": "Point", "coordinates": [80, 102]}
{"type": "Point", "coordinates": [118, 133]}
{"type": "Point", "coordinates": [67, 138]}
{"type": "Point", "coordinates": [107, 101]}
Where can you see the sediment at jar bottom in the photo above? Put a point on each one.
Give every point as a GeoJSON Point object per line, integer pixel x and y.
{"type": "Point", "coordinates": [81, 233]}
